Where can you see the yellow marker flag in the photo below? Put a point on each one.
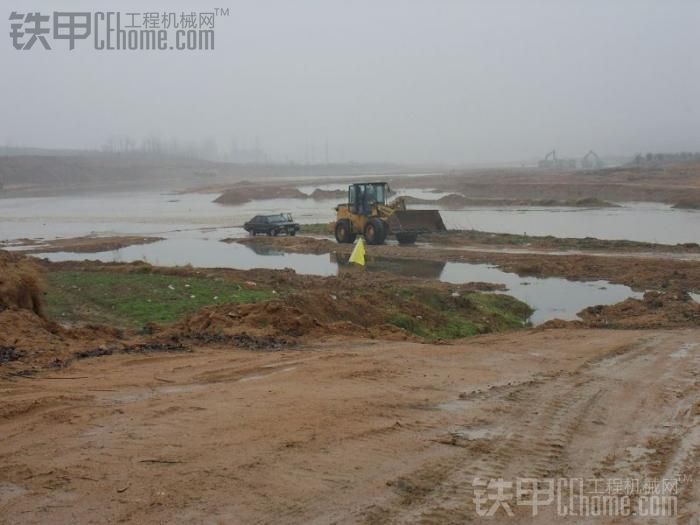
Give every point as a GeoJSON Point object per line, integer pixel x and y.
{"type": "Point", "coordinates": [358, 252]}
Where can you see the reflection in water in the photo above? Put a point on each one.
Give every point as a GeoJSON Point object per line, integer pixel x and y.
{"type": "Point", "coordinates": [407, 267]}
{"type": "Point", "coordinates": [551, 297]}
{"type": "Point", "coordinates": [204, 253]}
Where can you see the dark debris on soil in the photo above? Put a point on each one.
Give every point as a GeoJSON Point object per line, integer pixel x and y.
{"type": "Point", "coordinates": [265, 343]}
{"type": "Point", "coordinates": [9, 353]}
{"type": "Point", "coordinates": [144, 348]}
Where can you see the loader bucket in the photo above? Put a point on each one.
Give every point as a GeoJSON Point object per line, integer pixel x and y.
{"type": "Point", "coordinates": [416, 221]}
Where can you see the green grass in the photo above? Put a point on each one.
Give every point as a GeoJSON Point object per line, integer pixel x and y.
{"type": "Point", "coordinates": [318, 228]}
{"type": "Point", "coordinates": [130, 300]}
{"type": "Point", "coordinates": [448, 317]}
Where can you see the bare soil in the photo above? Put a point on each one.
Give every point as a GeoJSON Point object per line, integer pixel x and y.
{"type": "Point", "coordinates": [455, 201]}
{"type": "Point", "coordinates": [671, 183]}
{"type": "Point", "coordinates": [352, 431]}
{"type": "Point", "coordinates": [20, 283]}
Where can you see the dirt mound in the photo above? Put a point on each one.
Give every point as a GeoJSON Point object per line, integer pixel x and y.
{"type": "Point", "coordinates": [319, 194]}
{"type": "Point", "coordinates": [296, 244]}
{"type": "Point", "coordinates": [244, 193]}
{"type": "Point", "coordinates": [361, 307]}
{"type": "Point", "coordinates": [293, 316]}
{"type": "Point", "coordinates": [456, 201]}
{"type": "Point", "coordinates": [20, 283]}
{"type": "Point", "coordinates": [655, 310]}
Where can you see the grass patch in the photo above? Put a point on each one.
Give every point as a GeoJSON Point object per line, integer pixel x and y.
{"type": "Point", "coordinates": [319, 228]}
{"type": "Point", "coordinates": [131, 300]}
{"type": "Point", "coordinates": [448, 317]}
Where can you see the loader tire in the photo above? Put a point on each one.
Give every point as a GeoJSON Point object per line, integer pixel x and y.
{"type": "Point", "coordinates": [343, 231]}
{"type": "Point", "coordinates": [375, 232]}
{"type": "Point", "coordinates": [406, 238]}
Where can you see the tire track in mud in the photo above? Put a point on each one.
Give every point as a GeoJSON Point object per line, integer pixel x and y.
{"type": "Point", "coordinates": [542, 428]}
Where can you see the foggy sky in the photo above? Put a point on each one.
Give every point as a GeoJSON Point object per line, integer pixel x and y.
{"type": "Point", "coordinates": [381, 80]}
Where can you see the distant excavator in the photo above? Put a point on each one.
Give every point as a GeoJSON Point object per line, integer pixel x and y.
{"type": "Point", "coordinates": [592, 161]}
{"type": "Point", "coordinates": [367, 213]}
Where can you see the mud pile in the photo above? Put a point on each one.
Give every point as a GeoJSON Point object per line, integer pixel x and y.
{"type": "Point", "coordinates": [387, 312]}
{"type": "Point", "coordinates": [20, 283]}
{"type": "Point", "coordinates": [296, 244]}
{"type": "Point", "coordinates": [655, 310]}
{"type": "Point", "coordinates": [295, 316]}
{"type": "Point", "coordinates": [244, 192]}
{"type": "Point", "coordinates": [456, 201]}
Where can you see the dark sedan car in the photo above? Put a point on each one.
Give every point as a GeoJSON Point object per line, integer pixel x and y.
{"type": "Point", "coordinates": [272, 224]}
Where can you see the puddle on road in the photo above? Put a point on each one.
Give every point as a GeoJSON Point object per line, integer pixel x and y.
{"type": "Point", "coordinates": [551, 298]}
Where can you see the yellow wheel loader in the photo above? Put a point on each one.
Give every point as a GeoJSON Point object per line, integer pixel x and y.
{"type": "Point", "coordinates": [367, 213]}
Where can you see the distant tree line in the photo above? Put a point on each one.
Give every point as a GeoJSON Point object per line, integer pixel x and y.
{"type": "Point", "coordinates": [206, 149]}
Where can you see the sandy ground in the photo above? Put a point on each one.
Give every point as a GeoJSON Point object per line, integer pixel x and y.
{"type": "Point", "coordinates": [348, 432]}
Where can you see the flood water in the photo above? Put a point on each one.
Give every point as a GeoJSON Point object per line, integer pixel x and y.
{"type": "Point", "coordinates": [193, 226]}
{"type": "Point", "coordinates": [152, 213]}
{"type": "Point", "coordinates": [551, 297]}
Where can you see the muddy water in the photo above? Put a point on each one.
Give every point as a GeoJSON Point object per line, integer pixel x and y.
{"type": "Point", "coordinates": [551, 298]}
{"type": "Point", "coordinates": [183, 249]}
{"type": "Point", "coordinates": [138, 213]}
{"type": "Point", "coordinates": [193, 225]}
{"type": "Point", "coordinates": [161, 213]}
{"type": "Point", "coordinates": [646, 222]}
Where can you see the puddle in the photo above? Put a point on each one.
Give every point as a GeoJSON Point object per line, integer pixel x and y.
{"type": "Point", "coordinates": [261, 376]}
{"type": "Point", "coordinates": [696, 297]}
{"type": "Point", "coordinates": [180, 251]}
{"type": "Point", "coordinates": [683, 350]}
{"type": "Point", "coordinates": [551, 298]}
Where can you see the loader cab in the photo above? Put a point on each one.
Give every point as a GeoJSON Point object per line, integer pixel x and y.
{"type": "Point", "coordinates": [362, 197]}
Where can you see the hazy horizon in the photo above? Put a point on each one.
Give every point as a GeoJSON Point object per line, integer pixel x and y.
{"type": "Point", "coordinates": [455, 82]}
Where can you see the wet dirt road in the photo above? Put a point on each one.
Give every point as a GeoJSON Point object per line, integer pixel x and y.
{"type": "Point", "coordinates": [348, 431]}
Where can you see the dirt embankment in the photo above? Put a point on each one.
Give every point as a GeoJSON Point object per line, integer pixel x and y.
{"type": "Point", "coordinates": [655, 310]}
{"type": "Point", "coordinates": [295, 244]}
{"type": "Point", "coordinates": [246, 192]}
{"type": "Point", "coordinates": [87, 244]}
{"type": "Point", "coordinates": [20, 283]}
{"type": "Point", "coordinates": [474, 238]}
{"type": "Point", "coordinates": [455, 201]}
{"type": "Point", "coordinates": [669, 183]}
{"type": "Point", "coordinates": [302, 308]}
{"type": "Point", "coordinates": [365, 305]}
{"type": "Point", "coordinates": [26, 336]}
